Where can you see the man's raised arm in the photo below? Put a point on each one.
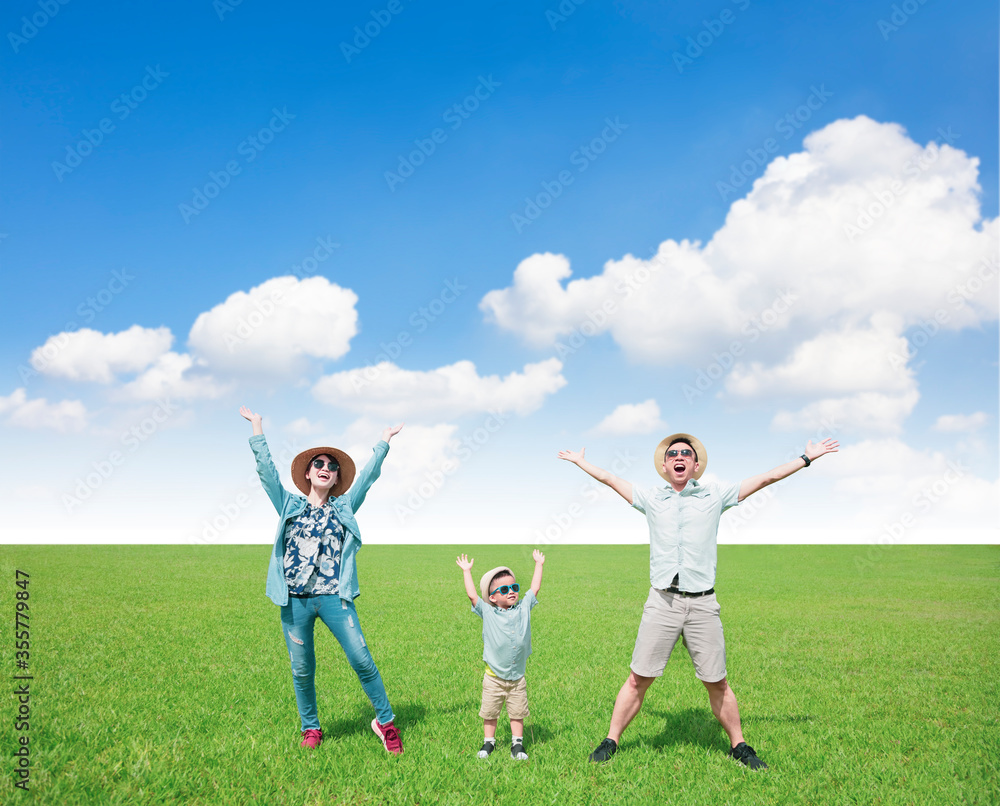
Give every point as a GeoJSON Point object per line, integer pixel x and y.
{"type": "Point", "coordinates": [751, 485]}
{"type": "Point", "coordinates": [620, 486]}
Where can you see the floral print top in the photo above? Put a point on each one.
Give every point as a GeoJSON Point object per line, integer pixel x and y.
{"type": "Point", "coordinates": [312, 551]}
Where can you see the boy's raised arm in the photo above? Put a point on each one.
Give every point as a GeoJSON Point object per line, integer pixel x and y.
{"type": "Point", "coordinates": [470, 588]}
{"type": "Point", "coordinates": [536, 578]}
{"type": "Point", "coordinates": [620, 486]}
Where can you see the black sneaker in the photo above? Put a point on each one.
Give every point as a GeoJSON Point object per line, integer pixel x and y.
{"type": "Point", "coordinates": [604, 751]}
{"type": "Point", "coordinates": [517, 752]}
{"type": "Point", "coordinates": [745, 754]}
{"type": "Point", "coordinates": [486, 749]}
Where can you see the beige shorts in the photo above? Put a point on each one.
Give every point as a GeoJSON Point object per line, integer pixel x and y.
{"type": "Point", "coordinates": [669, 616]}
{"type": "Point", "coordinates": [497, 691]}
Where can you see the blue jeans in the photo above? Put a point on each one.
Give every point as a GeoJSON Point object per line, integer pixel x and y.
{"type": "Point", "coordinates": [298, 619]}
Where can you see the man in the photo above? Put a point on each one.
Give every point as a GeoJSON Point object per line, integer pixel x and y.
{"type": "Point", "coordinates": [683, 520]}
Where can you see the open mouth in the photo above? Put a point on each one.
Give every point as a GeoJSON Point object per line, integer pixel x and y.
{"type": "Point", "coordinates": [679, 467]}
{"type": "Point", "coordinates": [323, 476]}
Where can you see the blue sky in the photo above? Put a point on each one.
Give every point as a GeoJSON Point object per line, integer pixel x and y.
{"type": "Point", "coordinates": [517, 227]}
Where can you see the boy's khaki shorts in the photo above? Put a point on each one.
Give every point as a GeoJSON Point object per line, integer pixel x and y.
{"type": "Point", "coordinates": [667, 617]}
{"type": "Point", "coordinates": [496, 691]}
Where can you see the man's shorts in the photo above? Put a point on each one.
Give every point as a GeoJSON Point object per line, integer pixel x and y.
{"type": "Point", "coordinates": [496, 691]}
{"type": "Point", "coordinates": [669, 616]}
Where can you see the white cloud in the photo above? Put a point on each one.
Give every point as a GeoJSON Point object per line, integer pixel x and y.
{"type": "Point", "coordinates": [303, 427]}
{"type": "Point", "coordinates": [631, 418]}
{"type": "Point", "coordinates": [851, 359]}
{"type": "Point", "coordinates": [786, 266]}
{"type": "Point", "coordinates": [276, 326]}
{"type": "Point", "coordinates": [88, 355]}
{"type": "Point", "coordinates": [952, 423]}
{"type": "Point", "coordinates": [66, 416]}
{"type": "Point", "coordinates": [896, 489]}
{"type": "Point", "coordinates": [388, 391]}
{"type": "Point", "coordinates": [172, 376]}
{"type": "Point", "coordinates": [867, 412]}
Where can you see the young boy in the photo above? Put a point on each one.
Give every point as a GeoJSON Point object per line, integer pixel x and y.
{"type": "Point", "coordinates": [506, 646]}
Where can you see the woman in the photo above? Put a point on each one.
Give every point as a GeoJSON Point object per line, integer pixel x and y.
{"type": "Point", "coordinates": [312, 572]}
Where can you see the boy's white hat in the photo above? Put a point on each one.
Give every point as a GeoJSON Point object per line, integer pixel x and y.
{"type": "Point", "coordinates": [484, 583]}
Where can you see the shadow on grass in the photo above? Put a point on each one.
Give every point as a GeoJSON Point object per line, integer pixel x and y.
{"type": "Point", "coordinates": [359, 720]}
{"type": "Point", "coordinates": [688, 726]}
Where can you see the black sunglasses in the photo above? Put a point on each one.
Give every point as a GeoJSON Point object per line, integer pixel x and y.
{"type": "Point", "coordinates": [319, 464]}
{"type": "Point", "coordinates": [681, 452]}
{"type": "Point", "coordinates": [502, 590]}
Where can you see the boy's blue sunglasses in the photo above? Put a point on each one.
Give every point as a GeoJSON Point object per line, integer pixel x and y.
{"type": "Point", "coordinates": [502, 590]}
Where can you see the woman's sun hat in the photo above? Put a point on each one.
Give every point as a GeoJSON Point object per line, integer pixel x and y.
{"type": "Point", "coordinates": [484, 583]}
{"type": "Point", "coordinates": [694, 442]}
{"type": "Point", "coordinates": [300, 467]}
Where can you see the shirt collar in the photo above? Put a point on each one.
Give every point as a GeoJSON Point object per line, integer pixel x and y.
{"type": "Point", "coordinates": [693, 487]}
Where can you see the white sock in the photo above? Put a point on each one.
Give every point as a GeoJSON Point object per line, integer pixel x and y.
{"type": "Point", "coordinates": [491, 740]}
{"type": "Point", "coordinates": [516, 740]}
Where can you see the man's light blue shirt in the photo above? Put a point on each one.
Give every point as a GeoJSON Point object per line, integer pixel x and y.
{"type": "Point", "coordinates": [683, 531]}
{"type": "Point", "coordinates": [507, 636]}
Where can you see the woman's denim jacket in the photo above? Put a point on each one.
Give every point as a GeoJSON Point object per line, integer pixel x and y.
{"type": "Point", "coordinates": [290, 505]}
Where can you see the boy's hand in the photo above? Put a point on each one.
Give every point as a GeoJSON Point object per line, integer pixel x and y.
{"type": "Point", "coordinates": [538, 556]}
{"type": "Point", "coordinates": [464, 563]}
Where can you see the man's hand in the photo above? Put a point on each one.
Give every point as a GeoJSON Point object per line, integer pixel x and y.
{"type": "Point", "coordinates": [573, 456]}
{"type": "Point", "coordinates": [391, 431]}
{"type": "Point", "coordinates": [464, 563]}
{"type": "Point", "coordinates": [825, 447]}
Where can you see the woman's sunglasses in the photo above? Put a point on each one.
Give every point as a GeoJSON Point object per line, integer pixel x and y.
{"type": "Point", "coordinates": [319, 464]}
{"type": "Point", "coordinates": [503, 589]}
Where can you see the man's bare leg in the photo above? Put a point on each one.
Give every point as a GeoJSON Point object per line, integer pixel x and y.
{"type": "Point", "coordinates": [726, 709]}
{"type": "Point", "coordinates": [628, 703]}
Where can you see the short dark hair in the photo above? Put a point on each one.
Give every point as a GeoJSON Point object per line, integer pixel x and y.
{"type": "Point", "coordinates": [506, 572]}
{"type": "Point", "coordinates": [681, 439]}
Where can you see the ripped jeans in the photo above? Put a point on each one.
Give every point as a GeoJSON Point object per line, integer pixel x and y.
{"type": "Point", "coordinates": [298, 619]}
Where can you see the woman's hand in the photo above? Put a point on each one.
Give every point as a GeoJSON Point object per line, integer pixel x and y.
{"type": "Point", "coordinates": [391, 431]}
{"type": "Point", "coordinates": [255, 420]}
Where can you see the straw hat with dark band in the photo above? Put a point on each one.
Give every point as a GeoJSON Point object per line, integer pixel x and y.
{"type": "Point", "coordinates": [300, 467]}
{"type": "Point", "coordinates": [694, 442]}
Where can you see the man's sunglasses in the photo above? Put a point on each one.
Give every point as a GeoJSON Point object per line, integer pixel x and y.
{"type": "Point", "coordinates": [503, 589]}
{"type": "Point", "coordinates": [319, 464]}
{"type": "Point", "coordinates": [682, 452]}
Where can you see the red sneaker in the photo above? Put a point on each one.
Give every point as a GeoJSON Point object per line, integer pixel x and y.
{"type": "Point", "coordinates": [389, 736]}
{"type": "Point", "coordinates": [311, 738]}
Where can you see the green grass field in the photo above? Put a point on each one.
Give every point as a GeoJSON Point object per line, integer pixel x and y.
{"type": "Point", "coordinates": [160, 677]}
